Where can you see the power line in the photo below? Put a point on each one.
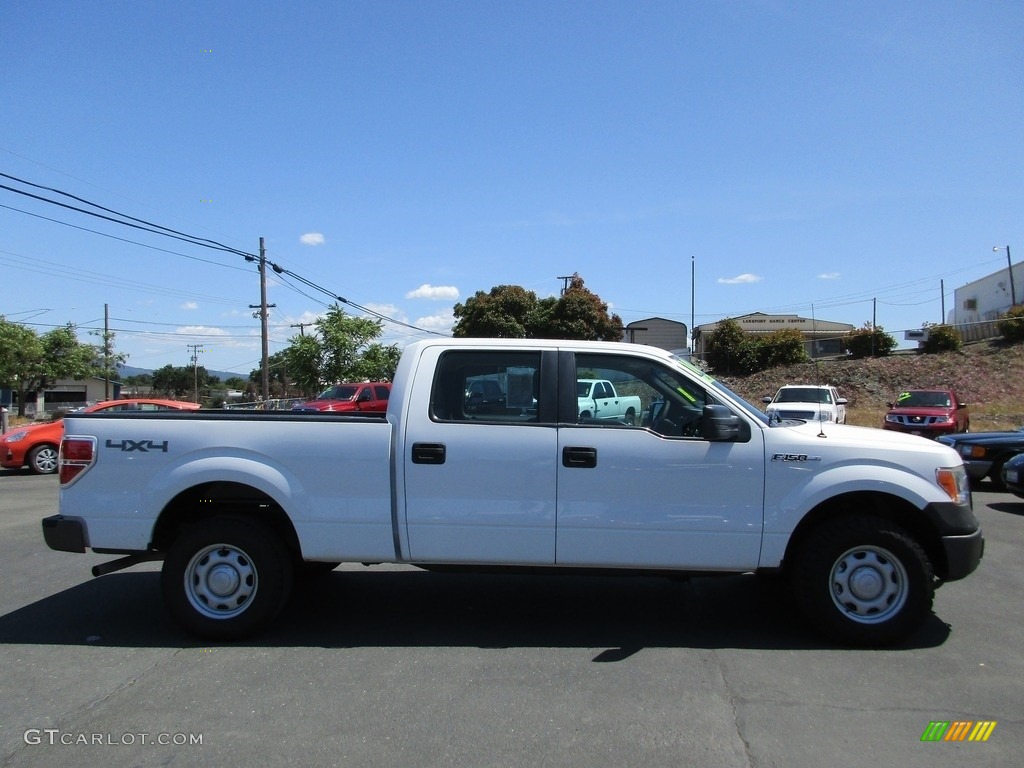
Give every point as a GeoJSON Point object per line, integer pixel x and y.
{"type": "Point", "coordinates": [167, 231]}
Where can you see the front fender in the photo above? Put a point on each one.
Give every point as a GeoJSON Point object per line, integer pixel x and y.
{"type": "Point", "coordinates": [800, 490]}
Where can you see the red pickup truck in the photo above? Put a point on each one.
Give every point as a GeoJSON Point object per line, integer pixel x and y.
{"type": "Point", "coordinates": [928, 412]}
{"type": "Point", "coordinates": [370, 396]}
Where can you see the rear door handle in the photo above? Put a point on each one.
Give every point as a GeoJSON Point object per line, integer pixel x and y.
{"type": "Point", "coordinates": [577, 457]}
{"type": "Point", "coordinates": [428, 453]}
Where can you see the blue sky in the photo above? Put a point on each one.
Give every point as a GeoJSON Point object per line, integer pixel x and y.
{"type": "Point", "coordinates": [834, 158]}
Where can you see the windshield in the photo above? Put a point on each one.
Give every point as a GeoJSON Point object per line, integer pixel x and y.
{"type": "Point", "coordinates": [923, 399]}
{"type": "Point", "coordinates": [339, 392]}
{"type": "Point", "coordinates": [751, 410]}
{"type": "Point", "coordinates": [803, 395]}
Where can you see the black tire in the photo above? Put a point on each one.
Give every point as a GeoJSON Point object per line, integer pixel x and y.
{"type": "Point", "coordinates": [226, 578]}
{"type": "Point", "coordinates": [43, 459]}
{"type": "Point", "coordinates": [863, 580]}
{"type": "Point", "coordinates": [630, 419]}
{"type": "Point", "coordinates": [995, 475]}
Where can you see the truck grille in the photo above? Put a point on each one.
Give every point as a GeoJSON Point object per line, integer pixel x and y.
{"type": "Point", "coordinates": [796, 414]}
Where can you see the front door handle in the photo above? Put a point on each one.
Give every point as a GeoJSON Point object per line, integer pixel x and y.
{"type": "Point", "coordinates": [576, 457]}
{"type": "Point", "coordinates": [428, 453]}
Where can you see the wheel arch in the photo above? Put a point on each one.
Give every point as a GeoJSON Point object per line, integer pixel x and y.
{"type": "Point", "coordinates": [876, 504]}
{"type": "Point", "coordinates": [222, 498]}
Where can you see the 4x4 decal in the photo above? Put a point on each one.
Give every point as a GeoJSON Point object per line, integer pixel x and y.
{"type": "Point", "coordinates": [143, 446]}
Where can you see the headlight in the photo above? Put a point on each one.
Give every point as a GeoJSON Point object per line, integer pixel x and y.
{"type": "Point", "coordinates": [892, 419]}
{"type": "Point", "coordinates": [953, 480]}
{"type": "Point", "coordinates": [943, 419]}
{"type": "Point", "coordinates": [972, 451]}
{"type": "Point", "coordinates": [14, 438]}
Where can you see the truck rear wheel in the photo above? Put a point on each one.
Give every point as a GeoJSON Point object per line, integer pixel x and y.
{"type": "Point", "coordinates": [226, 578]}
{"type": "Point", "coordinates": [863, 580]}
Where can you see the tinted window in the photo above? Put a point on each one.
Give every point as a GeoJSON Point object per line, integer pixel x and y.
{"type": "Point", "coordinates": [486, 386]}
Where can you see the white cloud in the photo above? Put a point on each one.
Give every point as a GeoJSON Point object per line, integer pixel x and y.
{"type": "Point", "coordinates": [312, 238]}
{"type": "Point", "coordinates": [828, 276]}
{"type": "Point", "coordinates": [435, 292]}
{"type": "Point", "coordinates": [389, 310]}
{"type": "Point", "coordinates": [442, 322]}
{"type": "Point", "coordinates": [746, 277]}
{"type": "Point", "coordinates": [200, 330]}
{"type": "Point", "coordinates": [190, 305]}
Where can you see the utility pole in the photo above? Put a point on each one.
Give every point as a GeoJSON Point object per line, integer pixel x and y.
{"type": "Point", "coordinates": [693, 301]}
{"type": "Point", "coordinates": [106, 351]}
{"type": "Point", "coordinates": [195, 366]}
{"type": "Point", "coordinates": [301, 327]}
{"type": "Point", "coordinates": [565, 282]}
{"type": "Point", "coordinates": [1009, 268]}
{"type": "Point", "coordinates": [263, 306]}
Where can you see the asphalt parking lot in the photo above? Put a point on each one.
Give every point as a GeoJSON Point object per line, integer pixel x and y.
{"type": "Point", "coordinates": [393, 666]}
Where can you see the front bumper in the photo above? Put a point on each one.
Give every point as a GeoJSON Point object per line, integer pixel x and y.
{"type": "Point", "coordinates": [64, 534]}
{"type": "Point", "coordinates": [977, 470]}
{"type": "Point", "coordinates": [963, 553]}
{"type": "Point", "coordinates": [10, 461]}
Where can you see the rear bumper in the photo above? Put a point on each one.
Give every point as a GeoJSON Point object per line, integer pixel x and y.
{"type": "Point", "coordinates": [64, 534]}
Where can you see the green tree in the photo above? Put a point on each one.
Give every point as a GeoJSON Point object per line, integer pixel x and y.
{"type": "Point", "coordinates": [869, 341]}
{"type": "Point", "coordinates": [107, 360]}
{"type": "Point", "coordinates": [303, 362]}
{"type": "Point", "coordinates": [32, 363]}
{"type": "Point", "coordinates": [179, 380]}
{"type": "Point", "coordinates": [512, 312]}
{"type": "Point", "coordinates": [579, 314]}
{"type": "Point", "coordinates": [506, 312]}
{"type": "Point", "coordinates": [942, 338]}
{"type": "Point", "coordinates": [1011, 325]}
{"type": "Point", "coordinates": [341, 349]}
{"type": "Point", "coordinates": [378, 362]}
{"type": "Point", "coordinates": [728, 348]}
{"type": "Point", "coordinates": [21, 351]}
{"type": "Point", "coordinates": [783, 347]}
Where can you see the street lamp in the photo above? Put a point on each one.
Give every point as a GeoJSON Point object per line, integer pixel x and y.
{"type": "Point", "coordinates": [1009, 268]}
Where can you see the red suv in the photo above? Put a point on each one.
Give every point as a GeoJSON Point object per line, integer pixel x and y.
{"type": "Point", "coordinates": [928, 412]}
{"type": "Point", "coordinates": [367, 397]}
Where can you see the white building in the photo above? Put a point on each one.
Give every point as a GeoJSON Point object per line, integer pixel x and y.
{"type": "Point", "coordinates": [979, 304]}
{"type": "Point", "coordinates": [658, 332]}
{"type": "Point", "coordinates": [821, 337]}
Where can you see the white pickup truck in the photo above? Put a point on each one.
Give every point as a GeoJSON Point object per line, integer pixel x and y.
{"type": "Point", "coordinates": [598, 400]}
{"type": "Point", "coordinates": [864, 522]}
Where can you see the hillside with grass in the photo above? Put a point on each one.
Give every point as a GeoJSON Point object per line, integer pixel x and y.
{"type": "Point", "coordinates": [989, 376]}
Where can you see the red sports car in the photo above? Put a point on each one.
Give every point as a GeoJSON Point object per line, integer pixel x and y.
{"type": "Point", "coordinates": [36, 445]}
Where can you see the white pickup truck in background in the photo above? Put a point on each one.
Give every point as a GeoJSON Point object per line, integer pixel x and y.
{"type": "Point", "coordinates": [809, 402]}
{"type": "Point", "coordinates": [598, 400]}
{"type": "Point", "coordinates": [238, 505]}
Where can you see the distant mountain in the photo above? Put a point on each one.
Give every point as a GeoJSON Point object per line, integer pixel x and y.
{"type": "Point", "coordinates": [129, 370]}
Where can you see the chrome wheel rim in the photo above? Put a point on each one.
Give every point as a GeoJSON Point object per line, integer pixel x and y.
{"type": "Point", "coordinates": [45, 461]}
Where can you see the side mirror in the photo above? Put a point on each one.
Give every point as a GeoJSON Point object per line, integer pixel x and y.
{"type": "Point", "coordinates": [766, 400]}
{"type": "Point", "coordinates": [719, 424]}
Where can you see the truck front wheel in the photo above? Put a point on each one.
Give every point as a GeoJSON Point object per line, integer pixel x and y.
{"type": "Point", "coordinates": [864, 581]}
{"type": "Point", "coordinates": [226, 578]}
